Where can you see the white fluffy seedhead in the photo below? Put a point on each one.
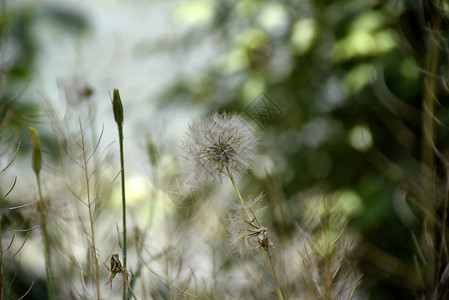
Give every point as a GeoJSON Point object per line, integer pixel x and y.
{"type": "Point", "coordinates": [220, 143]}
{"type": "Point", "coordinates": [247, 234]}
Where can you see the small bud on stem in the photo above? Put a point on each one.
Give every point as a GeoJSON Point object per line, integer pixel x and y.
{"type": "Point", "coordinates": [117, 107]}
{"type": "Point", "coordinates": [36, 158]}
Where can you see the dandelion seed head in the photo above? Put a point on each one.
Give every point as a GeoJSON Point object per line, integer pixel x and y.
{"type": "Point", "coordinates": [220, 143]}
{"type": "Point", "coordinates": [248, 234]}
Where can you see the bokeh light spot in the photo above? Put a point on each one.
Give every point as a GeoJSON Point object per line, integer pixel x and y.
{"type": "Point", "coordinates": [304, 31]}
{"type": "Point", "coordinates": [195, 12]}
{"type": "Point", "coordinates": [360, 138]}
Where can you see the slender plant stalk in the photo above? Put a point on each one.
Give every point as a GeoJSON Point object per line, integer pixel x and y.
{"type": "Point", "coordinates": [328, 251]}
{"type": "Point", "coordinates": [167, 276]}
{"type": "Point", "coordinates": [37, 165]}
{"type": "Point", "coordinates": [131, 291]}
{"type": "Point", "coordinates": [265, 251]}
{"type": "Point", "coordinates": [442, 252]}
{"type": "Point", "coordinates": [428, 140]}
{"type": "Point", "coordinates": [248, 213]}
{"type": "Point", "coordinates": [48, 266]}
{"type": "Point", "coordinates": [122, 167]}
{"type": "Point", "coordinates": [95, 141]}
{"type": "Point", "coordinates": [2, 269]}
{"type": "Point", "coordinates": [91, 217]}
{"type": "Point", "coordinates": [117, 109]}
{"type": "Point", "coordinates": [267, 254]}
{"type": "Point", "coordinates": [3, 285]}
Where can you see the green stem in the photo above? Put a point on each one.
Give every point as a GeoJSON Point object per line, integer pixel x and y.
{"type": "Point", "coordinates": [248, 213]}
{"type": "Point", "coordinates": [265, 251]}
{"type": "Point", "coordinates": [122, 165]}
{"type": "Point", "coordinates": [48, 267]}
{"type": "Point", "coordinates": [267, 254]}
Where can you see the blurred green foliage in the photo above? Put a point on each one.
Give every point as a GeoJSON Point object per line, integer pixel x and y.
{"type": "Point", "coordinates": [19, 49]}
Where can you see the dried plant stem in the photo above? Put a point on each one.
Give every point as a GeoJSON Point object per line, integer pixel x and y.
{"type": "Point", "coordinates": [167, 276]}
{"type": "Point", "coordinates": [265, 250]}
{"type": "Point", "coordinates": [131, 291]}
{"type": "Point", "coordinates": [2, 270]}
{"type": "Point", "coordinates": [91, 216]}
{"type": "Point", "coordinates": [95, 141]}
{"type": "Point", "coordinates": [48, 267]}
{"type": "Point", "coordinates": [326, 222]}
{"type": "Point", "coordinates": [267, 254]}
{"type": "Point", "coordinates": [428, 140]}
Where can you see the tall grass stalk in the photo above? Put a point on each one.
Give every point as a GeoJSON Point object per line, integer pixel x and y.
{"type": "Point", "coordinates": [117, 108]}
{"type": "Point", "coordinates": [265, 250]}
{"type": "Point", "coordinates": [37, 165]}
